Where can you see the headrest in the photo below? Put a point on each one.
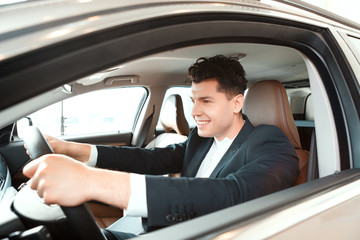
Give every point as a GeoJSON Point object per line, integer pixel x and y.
{"type": "Point", "coordinates": [172, 116]}
{"type": "Point", "coordinates": [266, 102]}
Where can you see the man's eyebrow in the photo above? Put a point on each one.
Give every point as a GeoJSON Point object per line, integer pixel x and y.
{"type": "Point", "coordinates": [205, 97]}
{"type": "Point", "coordinates": [202, 98]}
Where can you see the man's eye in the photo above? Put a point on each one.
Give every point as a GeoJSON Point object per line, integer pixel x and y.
{"type": "Point", "coordinates": [206, 101]}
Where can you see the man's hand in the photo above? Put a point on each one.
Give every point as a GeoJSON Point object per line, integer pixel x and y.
{"type": "Point", "coordinates": [62, 180]}
{"type": "Point", "coordinates": [78, 151]}
{"type": "Point", "coordinates": [59, 179]}
{"type": "Point", "coordinates": [59, 146]}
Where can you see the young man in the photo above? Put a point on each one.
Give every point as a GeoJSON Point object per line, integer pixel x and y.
{"type": "Point", "coordinates": [225, 159]}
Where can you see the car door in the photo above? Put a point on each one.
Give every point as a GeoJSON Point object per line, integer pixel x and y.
{"type": "Point", "coordinates": [333, 82]}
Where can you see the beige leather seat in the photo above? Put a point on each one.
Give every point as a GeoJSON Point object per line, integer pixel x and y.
{"type": "Point", "coordinates": [266, 102]}
{"type": "Point", "coordinates": [173, 120]}
{"type": "Point", "coordinates": [105, 215]}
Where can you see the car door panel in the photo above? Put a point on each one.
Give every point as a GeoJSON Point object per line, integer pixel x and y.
{"type": "Point", "coordinates": [117, 139]}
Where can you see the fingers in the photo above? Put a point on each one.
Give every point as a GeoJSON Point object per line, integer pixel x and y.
{"type": "Point", "coordinates": [53, 176]}
{"type": "Point", "coordinates": [27, 151]}
{"type": "Point", "coordinates": [40, 172]}
{"type": "Point", "coordinates": [30, 168]}
{"type": "Point", "coordinates": [56, 144]}
{"type": "Point", "coordinates": [48, 137]}
{"type": "Point", "coordinates": [52, 139]}
{"type": "Point", "coordinates": [38, 179]}
{"type": "Point", "coordinates": [35, 171]}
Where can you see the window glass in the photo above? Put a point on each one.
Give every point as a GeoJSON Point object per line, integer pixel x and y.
{"type": "Point", "coordinates": [110, 110]}
{"type": "Point", "coordinates": [184, 92]}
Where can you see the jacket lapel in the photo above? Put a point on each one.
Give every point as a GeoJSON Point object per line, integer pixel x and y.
{"type": "Point", "coordinates": [234, 147]}
{"type": "Point", "coordinates": [199, 156]}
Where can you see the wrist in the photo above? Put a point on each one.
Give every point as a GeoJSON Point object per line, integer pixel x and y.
{"type": "Point", "coordinates": [79, 151]}
{"type": "Point", "coordinates": [109, 187]}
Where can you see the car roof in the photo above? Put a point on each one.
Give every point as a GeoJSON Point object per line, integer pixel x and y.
{"type": "Point", "coordinates": [59, 20]}
{"type": "Point", "coordinates": [170, 68]}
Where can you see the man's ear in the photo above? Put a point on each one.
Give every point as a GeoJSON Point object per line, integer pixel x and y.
{"type": "Point", "coordinates": [238, 103]}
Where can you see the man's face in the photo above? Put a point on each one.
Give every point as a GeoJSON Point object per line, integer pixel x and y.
{"type": "Point", "coordinates": [215, 115]}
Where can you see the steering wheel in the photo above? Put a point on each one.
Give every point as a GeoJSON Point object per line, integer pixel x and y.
{"type": "Point", "coordinates": [32, 208]}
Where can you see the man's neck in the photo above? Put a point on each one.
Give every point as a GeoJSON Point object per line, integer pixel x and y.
{"type": "Point", "coordinates": [236, 128]}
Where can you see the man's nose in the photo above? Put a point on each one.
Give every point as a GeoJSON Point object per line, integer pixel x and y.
{"type": "Point", "coordinates": [195, 111]}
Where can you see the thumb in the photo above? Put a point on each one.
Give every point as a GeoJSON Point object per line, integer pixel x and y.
{"type": "Point", "coordinates": [30, 168]}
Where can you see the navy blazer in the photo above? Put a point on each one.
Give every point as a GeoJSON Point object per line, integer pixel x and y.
{"type": "Point", "coordinates": [260, 161]}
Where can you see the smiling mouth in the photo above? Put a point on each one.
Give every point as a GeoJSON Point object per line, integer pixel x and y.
{"type": "Point", "coordinates": [202, 122]}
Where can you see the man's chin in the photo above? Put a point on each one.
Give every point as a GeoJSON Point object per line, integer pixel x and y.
{"type": "Point", "coordinates": [204, 134]}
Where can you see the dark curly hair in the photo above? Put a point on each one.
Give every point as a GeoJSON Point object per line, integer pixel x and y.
{"type": "Point", "coordinates": [227, 70]}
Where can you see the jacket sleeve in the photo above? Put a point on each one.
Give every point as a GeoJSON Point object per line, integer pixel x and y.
{"type": "Point", "coordinates": [264, 164]}
{"type": "Point", "coordinates": [153, 161]}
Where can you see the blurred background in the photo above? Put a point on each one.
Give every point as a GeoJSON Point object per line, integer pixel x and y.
{"type": "Point", "coordinates": [345, 8]}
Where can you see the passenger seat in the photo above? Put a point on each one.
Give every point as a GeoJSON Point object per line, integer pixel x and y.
{"type": "Point", "coordinates": [173, 120]}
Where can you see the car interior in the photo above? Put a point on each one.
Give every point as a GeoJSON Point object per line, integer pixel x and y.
{"type": "Point", "coordinates": [279, 93]}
